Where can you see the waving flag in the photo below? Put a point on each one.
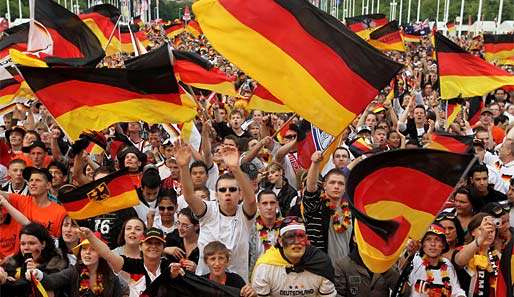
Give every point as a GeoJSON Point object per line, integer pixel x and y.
{"type": "Point", "coordinates": [498, 47]}
{"type": "Point", "coordinates": [194, 28]}
{"type": "Point", "coordinates": [387, 38]}
{"type": "Point", "coordinates": [451, 142]}
{"type": "Point", "coordinates": [389, 207]}
{"type": "Point", "coordinates": [300, 54]}
{"type": "Point", "coordinates": [263, 100]}
{"type": "Point", "coordinates": [363, 25]}
{"type": "Point", "coordinates": [101, 19]}
{"type": "Point", "coordinates": [173, 29]}
{"type": "Point", "coordinates": [15, 38]}
{"type": "Point", "coordinates": [462, 74]}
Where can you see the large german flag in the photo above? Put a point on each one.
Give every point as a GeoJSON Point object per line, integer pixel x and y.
{"type": "Point", "coordinates": [462, 74]}
{"type": "Point", "coordinates": [93, 99]}
{"type": "Point", "coordinates": [451, 142]}
{"type": "Point", "coordinates": [108, 194]}
{"type": "Point", "coordinates": [387, 203]}
{"type": "Point", "coordinates": [363, 25]}
{"type": "Point", "coordinates": [263, 100]}
{"type": "Point", "coordinates": [101, 19]}
{"type": "Point", "coordinates": [498, 47]}
{"type": "Point", "coordinates": [173, 29]}
{"type": "Point", "coordinates": [15, 37]}
{"type": "Point", "coordinates": [74, 43]}
{"type": "Point", "coordinates": [387, 38]}
{"type": "Point", "coordinates": [300, 54]}
{"type": "Point", "coordinates": [195, 71]}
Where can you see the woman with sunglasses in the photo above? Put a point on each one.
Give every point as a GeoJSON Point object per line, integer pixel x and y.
{"type": "Point", "coordinates": [293, 267]}
{"type": "Point", "coordinates": [166, 204]}
{"type": "Point", "coordinates": [182, 244]}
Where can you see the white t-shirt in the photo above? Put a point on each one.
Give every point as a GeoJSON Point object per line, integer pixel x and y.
{"type": "Point", "coordinates": [232, 231]}
{"type": "Point", "coordinates": [418, 276]}
{"type": "Point", "coordinates": [157, 223]}
{"type": "Point", "coordinates": [142, 210]}
{"type": "Point", "coordinates": [273, 281]}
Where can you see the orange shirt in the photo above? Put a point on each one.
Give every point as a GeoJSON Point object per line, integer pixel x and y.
{"type": "Point", "coordinates": [498, 134]}
{"type": "Point", "coordinates": [9, 239]}
{"type": "Point", "coordinates": [51, 216]}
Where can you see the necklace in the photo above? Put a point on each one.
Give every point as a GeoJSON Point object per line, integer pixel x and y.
{"type": "Point", "coordinates": [446, 290]}
{"type": "Point", "coordinates": [84, 283]}
{"type": "Point", "coordinates": [263, 231]}
{"type": "Point", "coordinates": [341, 217]}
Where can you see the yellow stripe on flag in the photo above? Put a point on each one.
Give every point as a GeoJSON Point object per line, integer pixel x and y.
{"type": "Point", "coordinates": [452, 85]}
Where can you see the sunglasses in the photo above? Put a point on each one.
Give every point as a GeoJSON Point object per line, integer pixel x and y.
{"type": "Point", "coordinates": [446, 216]}
{"type": "Point", "coordinates": [291, 219]}
{"type": "Point", "coordinates": [168, 208]}
{"type": "Point", "coordinates": [290, 137]}
{"type": "Point", "coordinates": [230, 189]}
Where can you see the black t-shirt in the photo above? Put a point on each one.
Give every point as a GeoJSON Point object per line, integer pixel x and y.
{"type": "Point", "coordinates": [233, 280]}
{"type": "Point", "coordinates": [110, 224]}
{"type": "Point", "coordinates": [174, 240]}
{"type": "Point", "coordinates": [136, 268]}
{"type": "Point", "coordinates": [222, 129]}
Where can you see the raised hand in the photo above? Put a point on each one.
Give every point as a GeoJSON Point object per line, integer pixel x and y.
{"type": "Point", "coordinates": [230, 156]}
{"type": "Point", "coordinates": [183, 153]}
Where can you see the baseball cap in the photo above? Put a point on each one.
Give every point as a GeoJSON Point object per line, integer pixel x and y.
{"type": "Point", "coordinates": [34, 144]}
{"type": "Point", "coordinates": [154, 233]}
{"type": "Point", "coordinates": [486, 110]}
{"type": "Point", "coordinates": [363, 128]}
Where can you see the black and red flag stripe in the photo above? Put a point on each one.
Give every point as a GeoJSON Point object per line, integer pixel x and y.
{"type": "Point", "coordinates": [498, 47]}
{"type": "Point", "coordinates": [451, 142]}
{"type": "Point", "coordinates": [475, 108]}
{"type": "Point", "coordinates": [388, 205]}
{"type": "Point", "coordinates": [365, 22]}
{"type": "Point", "coordinates": [74, 44]}
{"type": "Point", "coordinates": [300, 54]}
{"type": "Point", "coordinates": [15, 37]}
{"type": "Point", "coordinates": [387, 38]}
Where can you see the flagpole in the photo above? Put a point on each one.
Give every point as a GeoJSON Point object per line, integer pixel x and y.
{"type": "Point", "coordinates": [437, 11]}
{"type": "Point", "coordinates": [283, 125]}
{"type": "Point", "coordinates": [353, 8]}
{"type": "Point", "coordinates": [479, 16]}
{"type": "Point", "coordinates": [372, 6]}
{"type": "Point", "coordinates": [419, 11]}
{"type": "Point", "coordinates": [19, 9]}
{"type": "Point", "coordinates": [400, 13]}
{"type": "Point", "coordinates": [408, 11]}
{"type": "Point", "coordinates": [8, 13]}
{"type": "Point", "coordinates": [500, 10]}
{"type": "Point", "coordinates": [461, 16]}
{"type": "Point", "coordinates": [112, 33]}
{"type": "Point", "coordinates": [378, 6]}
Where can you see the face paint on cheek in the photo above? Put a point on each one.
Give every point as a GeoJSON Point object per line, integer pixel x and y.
{"type": "Point", "coordinates": [296, 237]}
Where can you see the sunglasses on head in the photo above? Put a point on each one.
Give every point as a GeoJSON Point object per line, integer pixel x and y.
{"type": "Point", "coordinates": [168, 208]}
{"type": "Point", "coordinates": [289, 220]}
{"type": "Point", "coordinates": [230, 189]}
{"type": "Point", "coordinates": [446, 216]}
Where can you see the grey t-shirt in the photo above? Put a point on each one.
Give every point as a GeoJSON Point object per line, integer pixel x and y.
{"type": "Point", "coordinates": [338, 243]}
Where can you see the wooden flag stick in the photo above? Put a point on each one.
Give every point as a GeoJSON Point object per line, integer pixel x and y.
{"type": "Point", "coordinates": [283, 125]}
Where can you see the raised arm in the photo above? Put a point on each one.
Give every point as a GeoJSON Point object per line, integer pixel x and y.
{"type": "Point", "coordinates": [313, 173]}
{"type": "Point", "coordinates": [206, 147]}
{"type": "Point", "coordinates": [116, 262]}
{"type": "Point", "coordinates": [231, 158]}
{"type": "Point", "coordinates": [482, 242]}
{"type": "Point", "coordinates": [16, 214]}
{"type": "Point", "coordinates": [283, 150]}
{"type": "Point", "coordinates": [251, 154]}
{"type": "Point", "coordinates": [183, 157]}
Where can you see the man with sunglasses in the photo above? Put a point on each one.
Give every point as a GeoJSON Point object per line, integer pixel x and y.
{"type": "Point", "coordinates": [224, 220]}
{"type": "Point", "coordinates": [293, 267]}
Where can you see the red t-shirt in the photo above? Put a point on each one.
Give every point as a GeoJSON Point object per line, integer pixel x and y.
{"type": "Point", "coordinates": [9, 239]}
{"type": "Point", "coordinates": [50, 216]}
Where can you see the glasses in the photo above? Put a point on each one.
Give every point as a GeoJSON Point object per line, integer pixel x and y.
{"type": "Point", "coordinates": [291, 136]}
{"type": "Point", "coordinates": [291, 219]}
{"type": "Point", "coordinates": [168, 208]}
{"type": "Point", "coordinates": [184, 226]}
{"type": "Point", "coordinates": [230, 189]}
{"type": "Point", "coordinates": [446, 216]}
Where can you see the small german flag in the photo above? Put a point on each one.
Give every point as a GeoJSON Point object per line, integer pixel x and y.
{"type": "Point", "coordinates": [108, 194]}
{"type": "Point", "coordinates": [475, 107]}
{"type": "Point", "coordinates": [451, 143]}
{"type": "Point", "coordinates": [16, 38]}
{"type": "Point", "coordinates": [498, 47]}
{"type": "Point", "coordinates": [453, 109]}
{"type": "Point", "coordinates": [462, 74]}
{"type": "Point", "coordinates": [451, 27]}
{"type": "Point", "coordinates": [93, 99]}
{"type": "Point", "coordinates": [173, 29]}
{"type": "Point", "coordinates": [9, 86]}
{"type": "Point", "coordinates": [194, 28]}
{"type": "Point", "coordinates": [300, 54]}
{"type": "Point", "coordinates": [74, 44]}
{"type": "Point", "coordinates": [360, 146]}
{"type": "Point", "coordinates": [363, 25]}
{"type": "Point", "coordinates": [263, 100]}
{"type": "Point", "coordinates": [387, 38]}
{"type": "Point", "coordinates": [389, 207]}
{"type": "Point", "coordinates": [412, 38]}
{"type": "Point", "coordinates": [101, 19]}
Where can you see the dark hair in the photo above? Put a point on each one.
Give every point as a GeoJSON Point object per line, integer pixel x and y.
{"type": "Point", "coordinates": [103, 169]}
{"type": "Point", "coordinates": [17, 161]}
{"type": "Point", "coordinates": [224, 176]}
{"type": "Point", "coordinates": [151, 179]}
{"type": "Point", "coordinates": [341, 148]}
{"type": "Point", "coordinates": [474, 223]}
{"type": "Point", "coordinates": [198, 163]}
{"type": "Point", "coordinates": [38, 137]}
{"type": "Point", "coordinates": [121, 236]}
{"type": "Point", "coordinates": [266, 192]}
{"type": "Point", "coordinates": [478, 168]}
{"type": "Point", "coordinates": [203, 189]}
{"type": "Point", "coordinates": [62, 245]}
{"type": "Point", "coordinates": [501, 119]}
{"type": "Point", "coordinates": [458, 227]}
{"type": "Point", "coordinates": [422, 107]}
{"type": "Point", "coordinates": [214, 247]}
{"type": "Point", "coordinates": [333, 171]}
{"type": "Point", "coordinates": [167, 194]}
{"type": "Point", "coordinates": [42, 234]}
{"type": "Point", "coordinates": [233, 138]}
{"type": "Point", "coordinates": [189, 214]}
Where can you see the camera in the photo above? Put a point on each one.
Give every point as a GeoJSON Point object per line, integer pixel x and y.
{"type": "Point", "coordinates": [497, 222]}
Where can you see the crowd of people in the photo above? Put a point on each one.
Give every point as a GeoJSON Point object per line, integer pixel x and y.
{"type": "Point", "coordinates": [240, 210]}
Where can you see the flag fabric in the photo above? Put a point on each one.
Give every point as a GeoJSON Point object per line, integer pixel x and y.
{"type": "Point", "coordinates": [360, 146]}
{"type": "Point", "coordinates": [74, 44]}
{"type": "Point", "coordinates": [15, 37]}
{"type": "Point", "coordinates": [195, 71]}
{"type": "Point", "coordinates": [173, 29]}
{"type": "Point", "coordinates": [498, 47]}
{"type": "Point", "coordinates": [453, 109]}
{"type": "Point", "coordinates": [475, 108]}
{"type": "Point", "coordinates": [507, 61]}
{"type": "Point", "coordinates": [101, 20]}
{"type": "Point", "coordinates": [451, 27]}
{"type": "Point", "coordinates": [413, 38]}
{"type": "Point", "coordinates": [462, 74]}
{"type": "Point", "coordinates": [9, 86]}
{"type": "Point", "coordinates": [38, 286]}
{"type": "Point", "coordinates": [363, 25]}
{"type": "Point", "coordinates": [93, 99]}
{"type": "Point", "coordinates": [317, 140]}
{"type": "Point", "coordinates": [263, 100]}
{"type": "Point", "coordinates": [194, 28]}
{"type": "Point", "coordinates": [299, 54]}
{"type": "Point", "coordinates": [108, 194]}
{"type": "Point", "coordinates": [451, 143]}
{"type": "Point", "coordinates": [505, 282]}
{"type": "Point", "coordinates": [387, 204]}
{"type": "Point", "coordinates": [186, 131]}
{"type": "Point", "coordinates": [387, 38]}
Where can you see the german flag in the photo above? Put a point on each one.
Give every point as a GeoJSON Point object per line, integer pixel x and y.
{"type": "Point", "coordinates": [9, 85]}
{"type": "Point", "coordinates": [505, 282]}
{"type": "Point", "coordinates": [16, 38]}
{"type": "Point", "coordinates": [74, 44]}
{"type": "Point", "coordinates": [387, 38]}
{"type": "Point", "coordinates": [412, 38]}
{"type": "Point", "coordinates": [138, 22]}
{"type": "Point", "coordinates": [194, 28]}
{"type": "Point", "coordinates": [93, 99]}
{"type": "Point", "coordinates": [300, 54]}
{"type": "Point", "coordinates": [462, 74]}
{"type": "Point", "coordinates": [195, 71]}
{"type": "Point", "coordinates": [508, 61]}
{"type": "Point", "coordinates": [363, 25]}
{"type": "Point", "coordinates": [108, 194]}
{"type": "Point", "coordinates": [263, 100]}
{"type": "Point", "coordinates": [389, 214]}
{"type": "Point", "coordinates": [475, 107]}
{"type": "Point", "coordinates": [453, 110]}
{"type": "Point", "coordinates": [101, 19]}
{"type": "Point", "coordinates": [360, 146]}
{"type": "Point", "coordinates": [498, 47]}
{"type": "Point", "coordinates": [173, 29]}
{"type": "Point", "coordinates": [451, 143]}
{"type": "Point", "coordinates": [451, 27]}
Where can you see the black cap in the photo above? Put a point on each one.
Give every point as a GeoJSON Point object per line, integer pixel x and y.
{"type": "Point", "coordinates": [27, 172]}
{"type": "Point", "coordinates": [34, 144]}
{"type": "Point", "coordinates": [154, 233]}
{"type": "Point", "coordinates": [14, 129]}
{"type": "Point", "coordinates": [494, 209]}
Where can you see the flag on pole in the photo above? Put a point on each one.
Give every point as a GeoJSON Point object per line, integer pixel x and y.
{"type": "Point", "coordinates": [301, 55]}
{"type": "Point", "coordinates": [498, 47]}
{"type": "Point", "coordinates": [363, 25]}
{"type": "Point", "coordinates": [387, 38]}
